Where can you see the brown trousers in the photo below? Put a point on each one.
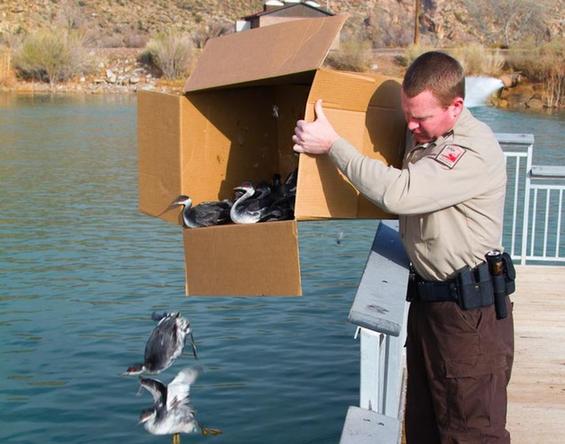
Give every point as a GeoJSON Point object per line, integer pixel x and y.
{"type": "Point", "coordinates": [459, 364]}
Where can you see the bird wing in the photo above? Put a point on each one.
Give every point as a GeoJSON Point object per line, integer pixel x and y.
{"type": "Point", "coordinates": [161, 345]}
{"type": "Point", "coordinates": [179, 388]}
{"type": "Point", "coordinates": [211, 213]}
{"type": "Point", "coordinates": [156, 388]}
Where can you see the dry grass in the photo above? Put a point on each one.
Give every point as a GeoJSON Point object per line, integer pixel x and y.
{"type": "Point", "coordinates": [353, 55]}
{"type": "Point", "coordinates": [51, 55]}
{"type": "Point", "coordinates": [543, 64]}
{"type": "Point", "coordinates": [477, 60]}
{"type": "Point", "coordinates": [170, 53]}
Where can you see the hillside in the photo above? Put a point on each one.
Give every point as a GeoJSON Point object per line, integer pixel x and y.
{"type": "Point", "coordinates": [119, 23]}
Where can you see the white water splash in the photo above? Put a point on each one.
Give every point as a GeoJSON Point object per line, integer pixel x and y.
{"type": "Point", "coordinates": [479, 89]}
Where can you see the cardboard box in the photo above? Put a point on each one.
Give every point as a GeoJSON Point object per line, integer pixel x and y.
{"type": "Point", "coordinates": [235, 123]}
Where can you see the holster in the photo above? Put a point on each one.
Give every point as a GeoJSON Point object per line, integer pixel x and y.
{"type": "Point", "coordinates": [474, 287]}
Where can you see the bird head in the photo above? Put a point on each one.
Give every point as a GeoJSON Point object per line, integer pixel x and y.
{"type": "Point", "coordinates": [135, 369]}
{"type": "Point", "coordinates": [246, 188]}
{"type": "Point", "coordinates": [181, 200]}
{"type": "Point", "coordinates": [147, 415]}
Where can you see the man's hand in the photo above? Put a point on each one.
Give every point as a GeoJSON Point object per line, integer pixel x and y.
{"type": "Point", "coordinates": [315, 137]}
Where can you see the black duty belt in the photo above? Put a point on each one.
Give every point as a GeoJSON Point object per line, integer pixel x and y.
{"type": "Point", "coordinates": [431, 291]}
{"type": "Point", "coordinates": [471, 288]}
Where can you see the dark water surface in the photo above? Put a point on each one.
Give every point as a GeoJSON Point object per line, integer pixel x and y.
{"type": "Point", "coordinates": [81, 271]}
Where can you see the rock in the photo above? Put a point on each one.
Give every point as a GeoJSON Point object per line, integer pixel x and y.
{"type": "Point", "coordinates": [535, 103]}
{"type": "Point", "coordinates": [82, 79]}
{"type": "Point", "coordinates": [112, 79]}
{"type": "Point", "coordinates": [509, 80]}
{"type": "Point", "coordinates": [109, 73]}
{"type": "Point", "coordinates": [134, 80]}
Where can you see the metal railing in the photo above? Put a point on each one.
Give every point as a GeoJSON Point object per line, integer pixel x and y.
{"type": "Point", "coordinates": [533, 227]}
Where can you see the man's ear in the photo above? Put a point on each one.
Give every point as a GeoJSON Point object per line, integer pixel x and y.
{"type": "Point", "coordinates": [457, 106]}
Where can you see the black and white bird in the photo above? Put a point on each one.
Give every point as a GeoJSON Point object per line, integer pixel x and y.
{"type": "Point", "coordinates": [165, 344]}
{"type": "Point", "coordinates": [204, 214]}
{"type": "Point", "coordinates": [251, 205]}
{"type": "Point", "coordinates": [172, 412]}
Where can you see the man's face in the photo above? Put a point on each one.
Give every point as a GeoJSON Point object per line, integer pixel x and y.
{"type": "Point", "coordinates": [427, 118]}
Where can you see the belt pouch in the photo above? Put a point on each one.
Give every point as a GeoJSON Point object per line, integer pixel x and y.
{"type": "Point", "coordinates": [509, 274]}
{"type": "Point", "coordinates": [475, 287]}
{"type": "Point", "coordinates": [486, 291]}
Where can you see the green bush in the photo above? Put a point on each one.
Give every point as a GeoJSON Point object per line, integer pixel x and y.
{"type": "Point", "coordinates": [52, 56]}
{"type": "Point", "coordinates": [170, 53]}
{"type": "Point", "coordinates": [352, 55]}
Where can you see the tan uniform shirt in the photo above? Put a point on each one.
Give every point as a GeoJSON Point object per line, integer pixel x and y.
{"type": "Point", "coordinates": [449, 195]}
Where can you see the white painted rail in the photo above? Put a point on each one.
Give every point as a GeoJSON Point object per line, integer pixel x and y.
{"type": "Point", "coordinates": [379, 311]}
{"type": "Point", "coordinates": [533, 228]}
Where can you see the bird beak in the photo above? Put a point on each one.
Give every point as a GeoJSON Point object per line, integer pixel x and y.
{"type": "Point", "coordinates": [175, 203]}
{"type": "Point", "coordinates": [193, 344]}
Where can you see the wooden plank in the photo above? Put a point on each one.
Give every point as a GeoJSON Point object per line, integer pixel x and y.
{"type": "Point", "coordinates": [548, 171]}
{"type": "Point", "coordinates": [516, 139]}
{"type": "Point", "coordinates": [380, 299]}
{"type": "Point", "coordinates": [537, 388]}
{"type": "Point", "coordinates": [366, 427]}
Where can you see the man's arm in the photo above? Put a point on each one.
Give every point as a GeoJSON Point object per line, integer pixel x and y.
{"type": "Point", "coordinates": [424, 186]}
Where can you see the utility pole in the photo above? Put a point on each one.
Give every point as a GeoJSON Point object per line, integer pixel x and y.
{"type": "Point", "coordinates": [417, 22]}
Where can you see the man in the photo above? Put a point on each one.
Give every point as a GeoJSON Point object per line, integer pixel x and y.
{"type": "Point", "coordinates": [449, 196]}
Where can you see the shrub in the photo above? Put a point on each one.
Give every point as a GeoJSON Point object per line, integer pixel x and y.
{"type": "Point", "coordinates": [51, 56]}
{"type": "Point", "coordinates": [412, 53]}
{"type": "Point", "coordinates": [543, 64]}
{"type": "Point", "coordinates": [205, 32]}
{"type": "Point", "coordinates": [170, 53]}
{"type": "Point", "coordinates": [353, 55]}
{"type": "Point", "coordinates": [476, 60]}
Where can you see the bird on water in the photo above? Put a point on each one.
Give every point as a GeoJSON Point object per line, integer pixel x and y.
{"type": "Point", "coordinates": [172, 412]}
{"type": "Point", "coordinates": [165, 344]}
{"type": "Point", "coordinates": [204, 214]}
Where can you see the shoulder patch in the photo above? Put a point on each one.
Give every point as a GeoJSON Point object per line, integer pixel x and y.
{"type": "Point", "coordinates": [450, 155]}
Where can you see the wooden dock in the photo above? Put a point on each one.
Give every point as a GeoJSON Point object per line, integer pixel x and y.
{"type": "Point", "coordinates": [536, 410]}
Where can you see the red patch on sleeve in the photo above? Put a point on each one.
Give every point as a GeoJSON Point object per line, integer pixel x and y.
{"type": "Point", "coordinates": [450, 155]}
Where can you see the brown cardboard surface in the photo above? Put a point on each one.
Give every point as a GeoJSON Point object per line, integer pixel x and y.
{"type": "Point", "coordinates": [364, 109]}
{"type": "Point", "coordinates": [235, 123]}
{"type": "Point", "coordinates": [228, 136]}
{"type": "Point", "coordinates": [243, 260]}
{"type": "Point", "coordinates": [263, 53]}
{"type": "Point", "coordinates": [158, 139]}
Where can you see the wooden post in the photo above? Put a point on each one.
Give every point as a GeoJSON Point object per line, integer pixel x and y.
{"type": "Point", "coordinates": [417, 22]}
{"type": "Point", "coordinates": [5, 64]}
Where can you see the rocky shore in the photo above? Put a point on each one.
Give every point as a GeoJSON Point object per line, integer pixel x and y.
{"type": "Point", "coordinates": [118, 71]}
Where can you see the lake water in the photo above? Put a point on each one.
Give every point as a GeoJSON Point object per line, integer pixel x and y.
{"type": "Point", "coordinates": [81, 271]}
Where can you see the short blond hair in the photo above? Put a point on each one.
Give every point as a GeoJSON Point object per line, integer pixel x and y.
{"type": "Point", "coordinates": [438, 73]}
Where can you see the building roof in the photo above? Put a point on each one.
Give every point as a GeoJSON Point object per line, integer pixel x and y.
{"type": "Point", "coordinates": [288, 6]}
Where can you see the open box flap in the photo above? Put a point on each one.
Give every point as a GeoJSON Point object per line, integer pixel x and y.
{"type": "Point", "coordinates": [159, 139]}
{"type": "Point", "coordinates": [262, 53]}
{"type": "Point", "coordinates": [365, 110]}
